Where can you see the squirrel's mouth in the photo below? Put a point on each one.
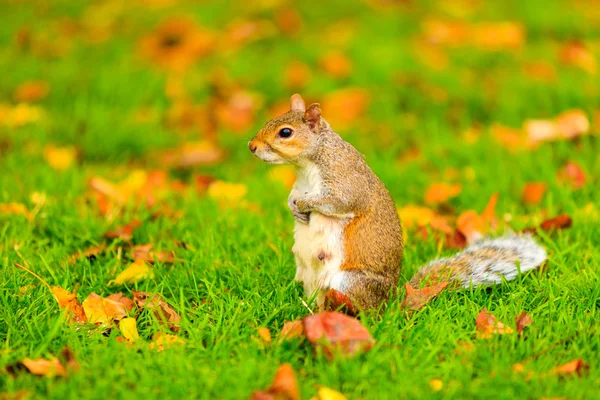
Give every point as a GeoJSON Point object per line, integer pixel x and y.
{"type": "Point", "coordinates": [269, 157]}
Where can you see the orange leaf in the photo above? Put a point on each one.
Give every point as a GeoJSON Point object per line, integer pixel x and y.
{"type": "Point", "coordinates": [292, 330]}
{"type": "Point", "coordinates": [473, 226]}
{"type": "Point", "coordinates": [161, 309]}
{"type": "Point", "coordinates": [297, 75]}
{"type": "Point", "coordinates": [576, 54]}
{"type": "Point", "coordinates": [103, 311]}
{"type": "Point", "coordinates": [417, 298]}
{"type": "Point", "coordinates": [336, 300]}
{"type": "Point", "coordinates": [42, 367]}
{"type": "Point", "coordinates": [577, 366]}
{"type": "Point", "coordinates": [15, 208]}
{"type": "Point", "coordinates": [337, 333]}
{"type": "Point", "coordinates": [522, 321]}
{"type": "Point", "coordinates": [573, 175]}
{"type": "Point", "coordinates": [487, 325]}
{"type": "Point", "coordinates": [283, 387]}
{"type": "Point", "coordinates": [31, 91]}
{"type": "Point", "coordinates": [264, 334]}
{"type": "Point", "coordinates": [165, 341]}
{"type": "Point", "coordinates": [124, 232]}
{"type": "Point", "coordinates": [441, 192]}
{"type": "Point", "coordinates": [143, 252]}
{"type": "Point", "coordinates": [68, 301]}
{"type": "Point", "coordinates": [559, 222]}
{"type": "Point", "coordinates": [336, 64]}
{"type": "Point", "coordinates": [343, 107]}
{"type": "Point", "coordinates": [533, 192]}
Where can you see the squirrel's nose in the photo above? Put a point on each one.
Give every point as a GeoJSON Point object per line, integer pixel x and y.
{"type": "Point", "coordinates": [252, 147]}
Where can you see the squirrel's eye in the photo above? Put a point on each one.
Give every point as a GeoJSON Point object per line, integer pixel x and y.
{"type": "Point", "coordinates": [285, 132]}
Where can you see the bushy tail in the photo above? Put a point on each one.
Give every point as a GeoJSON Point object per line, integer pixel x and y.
{"type": "Point", "coordinates": [484, 262]}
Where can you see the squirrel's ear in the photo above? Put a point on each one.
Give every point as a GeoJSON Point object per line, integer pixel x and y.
{"type": "Point", "coordinates": [312, 116]}
{"type": "Point", "coordinates": [297, 103]}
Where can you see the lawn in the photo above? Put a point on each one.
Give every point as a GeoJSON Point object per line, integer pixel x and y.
{"type": "Point", "coordinates": [114, 112]}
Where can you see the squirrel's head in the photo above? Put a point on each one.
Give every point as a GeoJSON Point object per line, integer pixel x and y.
{"type": "Point", "coordinates": [290, 137]}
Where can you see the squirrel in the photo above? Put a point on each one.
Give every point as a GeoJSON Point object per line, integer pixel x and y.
{"type": "Point", "coordinates": [347, 233]}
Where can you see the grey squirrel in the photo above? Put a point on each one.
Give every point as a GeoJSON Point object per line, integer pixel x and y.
{"type": "Point", "coordinates": [347, 232]}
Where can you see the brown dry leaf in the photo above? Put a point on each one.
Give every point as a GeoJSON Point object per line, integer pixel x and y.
{"type": "Point", "coordinates": [144, 252]}
{"type": "Point", "coordinates": [103, 310]}
{"type": "Point", "coordinates": [283, 387]}
{"type": "Point", "coordinates": [31, 91]}
{"type": "Point", "coordinates": [193, 154]}
{"type": "Point", "coordinates": [176, 43]}
{"type": "Point", "coordinates": [202, 183]}
{"type": "Point", "coordinates": [265, 334]}
{"type": "Point", "coordinates": [417, 298]}
{"type": "Point", "coordinates": [68, 301]}
{"type": "Point", "coordinates": [343, 107]}
{"type": "Point", "coordinates": [573, 175]}
{"type": "Point", "coordinates": [125, 301]}
{"type": "Point", "coordinates": [60, 158]}
{"type": "Point", "coordinates": [15, 208]}
{"type": "Point", "coordinates": [441, 192]}
{"type": "Point", "coordinates": [533, 192]}
{"type": "Point", "coordinates": [128, 328]}
{"type": "Point", "coordinates": [338, 301]}
{"type": "Point", "coordinates": [577, 366]}
{"type": "Point", "coordinates": [522, 321]}
{"type": "Point", "coordinates": [161, 309]}
{"type": "Point", "coordinates": [473, 226]}
{"type": "Point", "coordinates": [137, 271]}
{"type": "Point", "coordinates": [296, 76]}
{"type": "Point", "coordinates": [337, 333]}
{"type": "Point", "coordinates": [336, 64]}
{"type": "Point", "coordinates": [575, 53]}
{"type": "Point", "coordinates": [292, 330]}
{"type": "Point", "coordinates": [89, 253]}
{"type": "Point", "coordinates": [124, 232]}
{"type": "Point", "coordinates": [488, 325]}
{"type": "Point", "coordinates": [165, 341]}
{"type": "Point", "coordinates": [559, 222]}
{"type": "Point", "coordinates": [48, 368]}
{"type": "Point", "coordinates": [324, 393]}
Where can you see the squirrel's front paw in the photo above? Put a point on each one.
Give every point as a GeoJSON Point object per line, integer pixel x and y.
{"type": "Point", "coordinates": [299, 216]}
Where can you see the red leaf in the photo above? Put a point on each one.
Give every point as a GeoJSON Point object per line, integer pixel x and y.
{"type": "Point", "coordinates": [573, 175]}
{"type": "Point", "coordinates": [336, 300]}
{"type": "Point", "coordinates": [577, 366]}
{"type": "Point", "coordinates": [487, 325]}
{"type": "Point", "coordinates": [124, 232]}
{"type": "Point", "coordinates": [522, 320]}
{"type": "Point", "coordinates": [417, 298]}
{"type": "Point", "coordinates": [559, 222]}
{"type": "Point", "coordinates": [283, 387]}
{"type": "Point", "coordinates": [337, 333]}
{"type": "Point", "coordinates": [533, 192]}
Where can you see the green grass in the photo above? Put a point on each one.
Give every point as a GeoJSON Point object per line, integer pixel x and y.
{"type": "Point", "coordinates": [95, 88]}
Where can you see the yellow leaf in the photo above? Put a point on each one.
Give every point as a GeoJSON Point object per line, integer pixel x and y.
{"type": "Point", "coordinates": [129, 329]}
{"type": "Point", "coordinates": [162, 341]}
{"type": "Point", "coordinates": [99, 310]}
{"type": "Point", "coordinates": [325, 393]}
{"type": "Point", "coordinates": [227, 193]}
{"type": "Point", "coordinates": [284, 174]}
{"type": "Point", "coordinates": [436, 384]}
{"type": "Point", "coordinates": [15, 208]}
{"type": "Point", "coordinates": [136, 272]}
{"type": "Point", "coordinates": [412, 215]}
{"type": "Point", "coordinates": [60, 158]}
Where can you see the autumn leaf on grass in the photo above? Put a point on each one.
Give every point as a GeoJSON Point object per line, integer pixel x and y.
{"type": "Point", "coordinates": [228, 194]}
{"type": "Point", "coordinates": [104, 310]}
{"type": "Point", "coordinates": [338, 301]}
{"type": "Point", "coordinates": [533, 192]}
{"type": "Point", "coordinates": [192, 154]}
{"type": "Point", "coordinates": [441, 192]}
{"type": "Point", "coordinates": [337, 333]}
{"type": "Point", "coordinates": [284, 174]}
{"type": "Point", "coordinates": [575, 53]}
{"type": "Point", "coordinates": [144, 252]}
{"type": "Point", "coordinates": [165, 341]}
{"type": "Point", "coordinates": [573, 175]}
{"type": "Point", "coordinates": [161, 309]}
{"type": "Point", "coordinates": [90, 253]}
{"type": "Point", "coordinates": [20, 115]}
{"type": "Point", "coordinates": [137, 271]}
{"type": "Point", "coordinates": [562, 221]}
{"type": "Point", "coordinates": [31, 91]}
{"type": "Point", "coordinates": [265, 335]}
{"type": "Point", "coordinates": [283, 387]}
{"type": "Point", "coordinates": [292, 330]}
{"type": "Point", "coordinates": [68, 301]}
{"type": "Point", "coordinates": [522, 321]}
{"type": "Point", "coordinates": [53, 367]}
{"type": "Point", "coordinates": [128, 328]}
{"type": "Point", "coordinates": [336, 64]}
{"type": "Point", "coordinates": [567, 125]}
{"type": "Point", "coordinates": [417, 298]}
{"type": "Point", "coordinates": [60, 158]}
{"type": "Point", "coordinates": [343, 107]}
{"type": "Point", "coordinates": [324, 393]}
{"type": "Point", "coordinates": [297, 75]}
{"type": "Point", "coordinates": [124, 232]}
{"type": "Point", "coordinates": [15, 208]}
{"type": "Point", "coordinates": [488, 325]}
{"type": "Point", "coordinates": [576, 367]}
{"type": "Point", "coordinates": [473, 225]}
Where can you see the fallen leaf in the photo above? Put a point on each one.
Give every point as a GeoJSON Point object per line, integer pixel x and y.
{"type": "Point", "coordinates": [577, 366]}
{"type": "Point", "coordinates": [412, 216]}
{"type": "Point", "coordinates": [297, 75]}
{"type": "Point", "coordinates": [137, 271]}
{"type": "Point", "coordinates": [68, 301]}
{"type": "Point", "coordinates": [533, 192]}
{"type": "Point", "coordinates": [337, 333]}
{"type": "Point", "coordinates": [473, 226]}
{"type": "Point", "coordinates": [20, 115]}
{"type": "Point", "coordinates": [143, 252]}
{"type": "Point", "coordinates": [343, 107]}
{"type": "Point", "coordinates": [292, 330]}
{"type": "Point", "coordinates": [417, 298]}
{"type": "Point", "coordinates": [128, 328]}
{"type": "Point", "coordinates": [228, 194]}
{"type": "Point", "coordinates": [336, 64]}
{"type": "Point", "coordinates": [284, 174]}
{"type": "Point", "coordinates": [575, 53]}
{"type": "Point", "coordinates": [522, 321]}
{"type": "Point", "coordinates": [18, 395]}
{"type": "Point", "coordinates": [124, 232]}
{"type": "Point", "coordinates": [125, 301]}
{"type": "Point", "coordinates": [338, 301]}
{"type": "Point", "coordinates": [165, 341]}
{"type": "Point", "coordinates": [161, 309]}
{"type": "Point", "coordinates": [441, 192]}
{"type": "Point", "coordinates": [488, 325]}
{"type": "Point", "coordinates": [60, 158]}
{"type": "Point", "coordinates": [324, 393]}
{"type": "Point", "coordinates": [491, 36]}
{"type": "Point", "coordinates": [31, 91]}
{"type": "Point", "coordinates": [436, 384]}
{"type": "Point", "coordinates": [283, 387]}
{"type": "Point", "coordinates": [559, 222]}
{"type": "Point", "coordinates": [15, 208]}
{"type": "Point", "coordinates": [288, 20]}
{"type": "Point", "coordinates": [48, 368]}
{"type": "Point", "coordinates": [264, 334]}
{"type": "Point", "coordinates": [567, 125]}
{"type": "Point", "coordinates": [511, 138]}
{"type": "Point", "coordinates": [102, 311]}
{"type": "Point", "coordinates": [573, 175]}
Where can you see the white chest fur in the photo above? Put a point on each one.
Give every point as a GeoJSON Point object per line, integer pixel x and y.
{"type": "Point", "coordinates": [319, 245]}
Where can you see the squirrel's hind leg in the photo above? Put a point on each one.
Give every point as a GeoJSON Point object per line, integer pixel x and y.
{"type": "Point", "coordinates": [366, 290]}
